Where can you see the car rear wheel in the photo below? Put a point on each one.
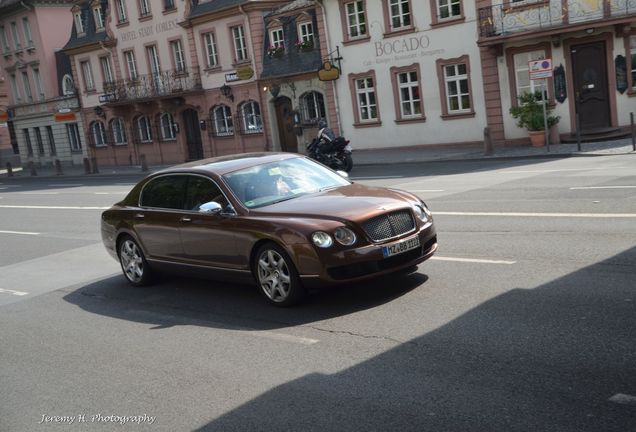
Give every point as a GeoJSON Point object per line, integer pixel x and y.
{"type": "Point", "coordinates": [276, 276]}
{"type": "Point", "coordinates": [133, 262]}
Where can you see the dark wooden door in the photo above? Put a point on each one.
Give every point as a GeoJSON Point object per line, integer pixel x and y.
{"type": "Point", "coordinates": [589, 71]}
{"type": "Point", "coordinates": [193, 134]}
{"type": "Point", "coordinates": [285, 120]}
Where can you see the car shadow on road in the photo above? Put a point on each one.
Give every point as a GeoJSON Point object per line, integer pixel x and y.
{"type": "Point", "coordinates": [542, 359]}
{"type": "Point", "coordinates": [178, 301]}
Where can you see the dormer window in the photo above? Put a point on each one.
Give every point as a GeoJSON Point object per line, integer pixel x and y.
{"type": "Point", "coordinates": [277, 38]}
{"type": "Point", "coordinates": [306, 32]}
{"type": "Point", "coordinates": [68, 88]}
{"type": "Point", "coordinates": [79, 24]}
{"type": "Point", "coordinates": [98, 13]}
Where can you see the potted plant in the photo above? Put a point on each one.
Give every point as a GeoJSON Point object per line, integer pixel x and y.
{"type": "Point", "coordinates": [529, 115]}
{"type": "Point", "coordinates": [305, 45]}
{"type": "Point", "coordinates": [276, 51]}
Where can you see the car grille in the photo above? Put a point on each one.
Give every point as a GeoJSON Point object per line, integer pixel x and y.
{"type": "Point", "coordinates": [389, 225]}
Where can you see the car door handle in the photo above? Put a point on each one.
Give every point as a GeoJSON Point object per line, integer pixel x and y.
{"type": "Point", "coordinates": [185, 219]}
{"type": "Point", "coordinates": [139, 216]}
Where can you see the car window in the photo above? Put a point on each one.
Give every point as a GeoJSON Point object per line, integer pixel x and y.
{"type": "Point", "coordinates": [266, 184]}
{"type": "Point", "coordinates": [202, 190]}
{"type": "Point", "coordinates": [164, 192]}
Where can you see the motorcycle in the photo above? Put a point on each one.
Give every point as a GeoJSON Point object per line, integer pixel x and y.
{"type": "Point", "coordinates": [335, 154]}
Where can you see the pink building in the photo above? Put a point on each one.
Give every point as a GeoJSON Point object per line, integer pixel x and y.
{"type": "Point", "coordinates": [43, 109]}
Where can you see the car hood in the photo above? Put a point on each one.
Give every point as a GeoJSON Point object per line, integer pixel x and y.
{"type": "Point", "coordinates": [353, 202]}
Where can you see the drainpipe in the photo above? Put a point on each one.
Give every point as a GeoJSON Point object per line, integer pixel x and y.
{"type": "Point", "coordinates": [335, 91]}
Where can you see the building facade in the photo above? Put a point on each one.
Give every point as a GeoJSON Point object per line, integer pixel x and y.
{"type": "Point", "coordinates": [7, 153]}
{"type": "Point", "coordinates": [43, 115]}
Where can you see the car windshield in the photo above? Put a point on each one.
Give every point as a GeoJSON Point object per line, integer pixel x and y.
{"type": "Point", "coordinates": [266, 184]}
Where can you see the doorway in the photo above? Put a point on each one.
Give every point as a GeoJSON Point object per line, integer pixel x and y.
{"type": "Point", "coordinates": [193, 134]}
{"type": "Point", "coordinates": [590, 80]}
{"type": "Point", "coordinates": [285, 121]}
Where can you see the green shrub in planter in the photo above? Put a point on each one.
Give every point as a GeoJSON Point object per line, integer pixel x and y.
{"type": "Point", "coordinates": [529, 112]}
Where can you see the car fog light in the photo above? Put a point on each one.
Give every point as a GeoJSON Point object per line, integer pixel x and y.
{"type": "Point", "coordinates": [321, 239]}
{"type": "Point", "coordinates": [345, 236]}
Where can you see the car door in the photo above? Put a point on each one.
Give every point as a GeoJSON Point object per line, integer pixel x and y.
{"type": "Point", "coordinates": [208, 239]}
{"type": "Point", "coordinates": [158, 219]}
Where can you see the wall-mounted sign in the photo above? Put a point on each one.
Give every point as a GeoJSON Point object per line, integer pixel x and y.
{"type": "Point", "coordinates": [64, 116]}
{"type": "Point", "coordinates": [540, 69]}
{"type": "Point", "coordinates": [620, 65]}
{"type": "Point", "coordinates": [328, 72]}
{"type": "Point", "coordinates": [560, 86]}
{"type": "Point", "coordinates": [245, 72]}
{"type": "Point", "coordinates": [4, 116]}
{"type": "Point", "coordinates": [108, 97]}
{"type": "Point", "coordinates": [233, 76]}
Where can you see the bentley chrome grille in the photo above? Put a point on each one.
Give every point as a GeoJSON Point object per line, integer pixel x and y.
{"type": "Point", "coordinates": [389, 225]}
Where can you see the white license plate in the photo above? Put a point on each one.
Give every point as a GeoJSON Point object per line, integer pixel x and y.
{"type": "Point", "coordinates": [401, 246]}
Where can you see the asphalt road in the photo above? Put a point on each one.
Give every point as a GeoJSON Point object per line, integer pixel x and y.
{"type": "Point", "coordinates": [523, 321]}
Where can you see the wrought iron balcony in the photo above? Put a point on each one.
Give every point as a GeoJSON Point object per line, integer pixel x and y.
{"type": "Point", "coordinates": [163, 84]}
{"type": "Point", "coordinates": [529, 15]}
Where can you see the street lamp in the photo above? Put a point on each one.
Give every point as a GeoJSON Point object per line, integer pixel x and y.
{"type": "Point", "coordinates": [226, 91]}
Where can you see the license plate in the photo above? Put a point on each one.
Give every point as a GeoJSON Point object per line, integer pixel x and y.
{"type": "Point", "coordinates": [401, 246]}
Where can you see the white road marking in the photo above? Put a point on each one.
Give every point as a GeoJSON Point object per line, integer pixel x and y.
{"type": "Point", "coordinates": [109, 193]}
{"type": "Point", "coordinates": [38, 193]}
{"type": "Point", "coordinates": [623, 399]}
{"type": "Point", "coordinates": [602, 187]}
{"type": "Point", "coordinates": [426, 190]}
{"type": "Point", "coordinates": [53, 207]}
{"type": "Point", "coordinates": [515, 214]}
{"type": "Point", "coordinates": [19, 232]}
{"type": "Point", "coordinates": [551, 170]}
{"type": "Point", "coordinates": [16, 293]}
{"type": "Point", "coordinates": [65, 184]}
{"type": "Point", "coordinates": [472, 260]}
{"type": "Point", "coordinates": [377, 177]}
{"type": "Point", "coordinates": [284, 337]}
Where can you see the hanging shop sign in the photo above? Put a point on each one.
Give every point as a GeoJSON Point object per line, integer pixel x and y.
{"type": "Point", "coordinates": [560, 86]}
{"type": "Point", "coordinates": [620, 64]}
{"type": "Point", "coordinates": [244, 72]}
{"type": "Point", "coordinates": [328, 72]}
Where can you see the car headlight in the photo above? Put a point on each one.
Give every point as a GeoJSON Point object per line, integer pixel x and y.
{"type": "Point", "coordinates": [321, 239]}
{"type": "Point", "coordinates": [422, 212]}
{"type": "Point", "coordinates": [345, 236]}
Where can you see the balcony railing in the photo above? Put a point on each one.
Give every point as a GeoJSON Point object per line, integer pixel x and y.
{"type": "Point", "coordinates": [166, 83]}
{"type": "Point", "coordinates": [524, 16]}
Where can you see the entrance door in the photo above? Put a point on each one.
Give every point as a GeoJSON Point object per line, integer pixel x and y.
{"type": "Point", "coordinates": [193, 134]}
{"type": "Point", "coordinates": [285, 120]}
{"type": "Point", "coordinates": [589, 72]}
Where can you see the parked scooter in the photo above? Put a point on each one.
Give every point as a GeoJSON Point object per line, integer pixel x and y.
{"type": "Point", "coordinates": [336, 154]}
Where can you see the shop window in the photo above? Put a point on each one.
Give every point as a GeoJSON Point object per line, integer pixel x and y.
{"type": "Point", "coordinates": [312, 106]}
{"type": "Point", "coordinates": [408, 93]}
{"type": "Point", "coordinates": [221, 117]}
{"type": "Point", "coordinates": [118, 131]}
{"type": "Point", "coordinates": [364, 97]}
{"type": "Point", "coordinates": [168, 127]}
{"type": "Point", "coordinates": [98, 134]}
{"type": "Point", "coordinates": [144, 129]}
{"type": "Point", "coordinates": [250, 118]}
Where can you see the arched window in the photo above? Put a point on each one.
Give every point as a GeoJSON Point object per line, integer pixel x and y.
{"type": "Point", "coordinates": [118, 130]}
{"type": "Point", "coordinates": [98, 133]}
{"type": "Point", "coordinates": [68, 87]}
{"type": "Point", "coordinates": [251, 121]}
{"type": "Point", "coordinates": [313, 106]}
{"type": "Point", "coordinates": [168, 127]}
{"type": "Point", "coordinates": [144, 130]}
{"type": "Point", "coordinates": [222, 120]}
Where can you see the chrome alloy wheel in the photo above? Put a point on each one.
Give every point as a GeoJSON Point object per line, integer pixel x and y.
{"type": "Point", "coordinates": [274, 276]}
{"type": "Point", "coordinates": [132, 261]}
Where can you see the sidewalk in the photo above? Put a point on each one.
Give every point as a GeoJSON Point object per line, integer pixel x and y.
{"type": "Point", "coordinates": [392, 156]}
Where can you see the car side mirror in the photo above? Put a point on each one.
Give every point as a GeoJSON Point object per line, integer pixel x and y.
{"type": "Point", "coordinates": [211, 207]}
{"type": "Point", "coordinates": [343, 174]}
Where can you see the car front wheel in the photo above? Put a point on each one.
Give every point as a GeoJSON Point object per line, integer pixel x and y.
{"type": "Point", "coordinates": [276, 276]}
{"type": "Point", "coordinates": [133, 263]}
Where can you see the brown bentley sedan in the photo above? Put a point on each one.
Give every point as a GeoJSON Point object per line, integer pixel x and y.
{"type": "Point", "coordinates": [277, 218]}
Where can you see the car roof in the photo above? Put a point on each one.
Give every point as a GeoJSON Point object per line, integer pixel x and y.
{"type": "Point", "coordinates": [225, 164]}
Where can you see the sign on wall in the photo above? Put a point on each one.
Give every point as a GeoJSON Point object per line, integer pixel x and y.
{"type": "Point", "coordinates": [540, 69]}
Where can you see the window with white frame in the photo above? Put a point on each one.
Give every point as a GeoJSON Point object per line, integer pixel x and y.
{"type": "Point", "coordinates": [306, 32]}
{"type": "Point", "coordinates": [168, 127]}
{"type": "Point", "coordinates": [632, 48]}
{"type": "Point", "coordinates": [400, 14]}
{"type": "Point", "coordinates": [27, 86]}
{"type": "Point", "coordinates": [222, 121]}
{"type": "Point", "coordinates": [240, 49]}
{"type": "Point", "coordinates": [98, 13]}
{"type": "Point", "coordinates": [68, 86]}
{"type": "Point", "coordinates": [131, 64]}
{"type": "Point", "coordinates": [365, 97]}
{"type": "Point", "coordinates": [16, 36]}
{"type": "Point", "coordinates": [144, 8]}
{"type": "Point", "coordinates": [118, 131]}
{"type": "Point", "coordinates": [312, 106]}
{"type": "Point", "coordinates": [87, 74]}
{"type": "Point", "coordinates": [277, 38]}
{"type": "Point", "coordinates": [26, 27]}
{"type": "Point", "coordinates": [98, 132]}
{"type": "Point", "coordinates": [449, 8]}
{"type": "Point", "coordinates": [72, 131]}
{"type": "Point", "coordinates": [356, 19]}
{"type": "Point", "coordinates": [79, 22]}
{"type": "Point", "coordinates": [4, 39]}
{"type": "Point", "coordinates": [144, 130]}
{"type": "Point", "coordinates": [107, 70]}
{"type": "Point", "coordinates": [177, 55]}
{"type": "Point", "coordinates": [251, 118]}
{"type": "Point", "coordinates": [457, 88]}
{"type": "Point", "coordinates": [522, 76]}
{"type": "Point", "coordinates": [121, 11]}
{"type": "Point", "coordinates": [39, 87]}
{"type": "Point", "coordinates": [210, 50]}
{"type": "Point", "coordinates": [409, 91]}
{"type": "Point", "coordinates": [15, 89]}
